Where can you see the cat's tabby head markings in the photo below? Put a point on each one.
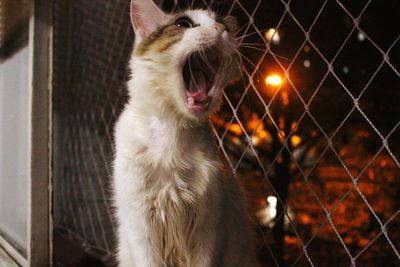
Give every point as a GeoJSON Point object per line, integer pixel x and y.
{"type": "Point", "coordinates": [183, 60]}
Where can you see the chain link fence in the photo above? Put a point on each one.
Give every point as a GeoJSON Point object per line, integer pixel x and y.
{"type": "Point", "coordinates": [311, 129]}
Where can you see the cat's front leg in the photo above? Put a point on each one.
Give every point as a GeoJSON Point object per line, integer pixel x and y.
{"type": "Point", "coordinates": [135, 249]}
{"type": "Point", "coordinates": [125, 257]}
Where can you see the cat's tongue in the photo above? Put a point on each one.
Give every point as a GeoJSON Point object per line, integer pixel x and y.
{"type": "Point", "coordinates": [198, 98]}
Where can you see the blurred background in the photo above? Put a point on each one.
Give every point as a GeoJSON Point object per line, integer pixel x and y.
{"type": "Point", "coordinates": [312, 129]}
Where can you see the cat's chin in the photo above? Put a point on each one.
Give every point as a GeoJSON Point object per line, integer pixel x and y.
{"type": "Point", "coordinates": [200, 76]}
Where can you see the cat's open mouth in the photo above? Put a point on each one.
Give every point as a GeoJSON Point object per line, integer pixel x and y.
{"type": "Point", "coordinates": [200, 77]}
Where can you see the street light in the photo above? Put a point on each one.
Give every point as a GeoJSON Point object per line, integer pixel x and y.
{"type": "Point", "coordinates": [274, 80]}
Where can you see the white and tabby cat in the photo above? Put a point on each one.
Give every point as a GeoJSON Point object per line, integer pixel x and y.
{"type": "Point", "coordinates": [174, 204]}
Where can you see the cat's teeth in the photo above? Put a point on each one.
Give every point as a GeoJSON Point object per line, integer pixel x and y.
{"type": "Point", "coordinates": [198, 101]}
{"type": "Point", "coordinates": [190, 101]}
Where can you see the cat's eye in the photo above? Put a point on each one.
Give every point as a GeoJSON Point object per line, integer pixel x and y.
{"type": "Point", "coordinates": [184, 22]}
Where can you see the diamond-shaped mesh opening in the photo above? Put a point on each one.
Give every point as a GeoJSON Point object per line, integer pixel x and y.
{"type": "Point", "coordinates": [308, 219]}
{"type": "Point", "coordinates": [329, 182]}
{"type": "Point", "coordinates": [328, 34]}
{"type": "Point", "coordinates": [354, 7]}
{"type": "Point", "coordinates": [322, 105]}
{"type": "Point", "coordinates": [379, 103]}
{"type": "Point", "coordinates": [354, 222]}
{"type": "Point", "coordinates": [306, 12]}
{"type": "Point", "coordinates": [378, 246]}
{"type": "Point", "coordinates": [391, 225]}
{"type": "Point", "coordinates": [317, 155]}
{"type": "Point", "coordinates": [357, 63]}
{"type": "Point", "coordinates": [290, 41]}
{"type": "Point", "coordinates": [354, 140]}
{"type": "Point", "coordinates": [323, 243]}
{"type": "Point", "coordinates": [283, 117]}
{"type": "Point", "coordinates": [308, 64]}
{"type": "Point", "coordinates": [378, 185]}
{"type": "Point", "coordinates": [379, 16]}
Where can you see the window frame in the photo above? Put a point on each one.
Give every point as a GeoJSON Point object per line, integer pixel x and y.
{"type": "Point", "coordinates": [39, 224]}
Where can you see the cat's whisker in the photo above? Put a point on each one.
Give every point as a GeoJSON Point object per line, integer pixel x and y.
{"type": "Point", "coordinates": [266, 50]}
{"type": "Point", "coordinates": [255, 48]}
{"type": "Point", "coordinates": [191, 73]}
{"type": "Point", "coordinates": [243, 27]}
{"type": "Point", "coordinates": [233, 8]}
{"type": "Point", "coordinates": [223, 51]}
{"type": "Point", "coordinates": [188, 6]}
{"type": "Point", "coordinates": [256, 67]}
{"type": "Point", "coordinates": [257, 43]}
{"type": "Point", "coordinates": [205, 59]}
{"type": "Point", "coordinates": [279, 56]}
{"type": "Point", "coordinates": [254, 44]}
{"type": "Point", "coordinates": [219, 9]}
{"type": "Point", "coordinates": [241, 70]}
{"type": "Point", "coordinates": [251, 33]}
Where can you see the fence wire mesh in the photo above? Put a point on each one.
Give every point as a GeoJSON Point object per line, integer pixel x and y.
{"type": "Point", "coordinates": [311, 129]}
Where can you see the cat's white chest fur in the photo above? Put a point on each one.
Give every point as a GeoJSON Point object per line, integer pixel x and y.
{"type": "Point", "coordinates": [162, 193]}
{"type": "Point", "coordinates": [161, 136]}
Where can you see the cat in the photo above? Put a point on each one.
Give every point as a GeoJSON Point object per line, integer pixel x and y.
{"type": "Point", "coordinates": [175, 204]}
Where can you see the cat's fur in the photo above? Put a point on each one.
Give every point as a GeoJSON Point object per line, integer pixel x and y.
{"type": "Point", "coordinates": [175, 206]}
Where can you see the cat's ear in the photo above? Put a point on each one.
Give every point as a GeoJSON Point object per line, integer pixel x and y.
{"type": "Point", "coordinates": [146, 16]}
{"type": "Point", "coordinates": [232, 24]}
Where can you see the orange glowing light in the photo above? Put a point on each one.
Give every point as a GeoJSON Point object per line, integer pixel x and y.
{"type": "Point", "coordinates": [262, 134]}
{"type": "Point", "coordinates": [235, 128]}
{"type": "Point", "coordinates": [305, 219]}
{"type": "Point", "coordinates": [295, 140]}
{"type": "Point", "coordinates": [291, 240]}
{"type": "Point", "coordinates": [236, 140]}
{"type": "Point", "coordinates": [265, 135]}
{"type": "Point", "coordinates": [285, 98]}
{"type": "Point", "coordinates": [274, 80]}
{"type": "Point", "coordinates": [384, 163]}
{"type": "Point", "coordinates": [294, 126]}
{"type": "Point", "coordinates": [281, 136]}
{"type": "Point", "coordinates": [254, 122]}
{"type": "Point", "coordinates": [255, 140]}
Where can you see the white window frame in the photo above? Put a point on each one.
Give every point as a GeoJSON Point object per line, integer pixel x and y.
{"type": "Point", "coordinates": [39, 247]}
